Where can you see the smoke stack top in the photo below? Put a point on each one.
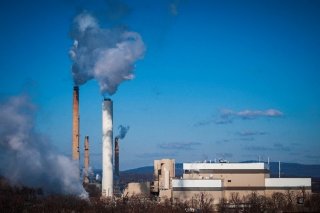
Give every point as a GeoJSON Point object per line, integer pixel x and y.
{"type": "Point", "coordinates": [106, 55]}
{"type": "Point", "coordinates": [123, 130]}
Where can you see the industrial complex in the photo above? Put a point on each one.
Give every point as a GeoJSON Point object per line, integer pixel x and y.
{"type": "Point", "coordinates": [217, 180]}
{"type": "Point", "coordinates": [220, 180]}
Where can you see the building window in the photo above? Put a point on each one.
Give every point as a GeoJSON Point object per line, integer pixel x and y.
{"type": "Point", "coordinates": [229, 181]}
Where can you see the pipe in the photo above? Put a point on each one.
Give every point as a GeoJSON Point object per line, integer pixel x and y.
{"type": "Point", "coordinates": [75, 124]}
{"type": "Point", "coordinates": [107, 165]}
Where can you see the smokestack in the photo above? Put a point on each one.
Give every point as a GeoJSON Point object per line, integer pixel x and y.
{"type": "Point", "coordinates": [107, 167]}
{"type": "Point", "coordinates": [75, 124]}
{"type": "Point", "coordinates": [86, 160]}
{"type": "Point", "coordinates": [116, 157]}
{"type": "Point", "coordinates": [86, 153]}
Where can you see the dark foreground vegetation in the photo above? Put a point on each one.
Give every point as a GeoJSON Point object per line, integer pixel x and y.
{"type": "Point", "coordinates": [23, 199]}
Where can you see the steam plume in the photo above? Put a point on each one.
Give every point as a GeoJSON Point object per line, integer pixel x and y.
{"type": "Point", "coordinates": [26, 157]}
{"type": "Point", "coordinates": [107, 55]}
{"type": "Point", "coordinates": [123, 131]}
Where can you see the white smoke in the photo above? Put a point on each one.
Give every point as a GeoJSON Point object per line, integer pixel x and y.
{"type": "Point", "coordinates": [26, 156]}
{"type": "Point", "coordinates": [107, 55]}
{"type": "Point", "coordinates": [122, 131]}
{"type": "Point", "coordinates": [87, 172]}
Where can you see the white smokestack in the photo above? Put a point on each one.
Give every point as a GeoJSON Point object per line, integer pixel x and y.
{"type": "Point", "coordinates": [107, 167]}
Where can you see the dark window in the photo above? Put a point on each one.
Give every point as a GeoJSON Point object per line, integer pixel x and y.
{"type": "Point", "coordinates": [229, 181]}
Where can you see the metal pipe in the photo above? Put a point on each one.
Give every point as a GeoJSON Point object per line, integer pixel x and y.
{"type": "Point", "coordinates": [107, 165]}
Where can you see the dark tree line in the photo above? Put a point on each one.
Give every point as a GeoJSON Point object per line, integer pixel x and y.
{"type": "Point", "coordinates": [23, 199]}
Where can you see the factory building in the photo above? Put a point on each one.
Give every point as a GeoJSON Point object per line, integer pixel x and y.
{"type": "Point", "coordinates": [141, 190]}
{"type": "Point", "coordinates": [220, 180]}
{"type": "Point", "coordinates": [164, 172]}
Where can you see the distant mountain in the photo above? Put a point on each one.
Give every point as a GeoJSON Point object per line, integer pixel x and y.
{"type": "Point", "coordinates": [287, 170]}
{"type": "Point", "coordinates": [140, 170]}
{"type": "Point", "coordinates": [294, 170]}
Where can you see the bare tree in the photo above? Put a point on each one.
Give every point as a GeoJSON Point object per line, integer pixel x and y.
{"type": "Point", "coordinates": [223, 205]}
{"type": "Point", "coordinates": [315, 202]}
{"type": "Point", "coordinates": [256, 202]}
{"type": "Point", "coordinates": [290, 200]}
{"type": "Point", "coordinates": [278, 201]}
{"type": "Point", "coordinates": [236, 201]}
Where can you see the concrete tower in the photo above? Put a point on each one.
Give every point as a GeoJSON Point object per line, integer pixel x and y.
{"type": "Point", "coordinates": [107, 151]}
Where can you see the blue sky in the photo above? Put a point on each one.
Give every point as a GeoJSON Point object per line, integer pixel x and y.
{"type": "Point", "coordinates": [219, 79]}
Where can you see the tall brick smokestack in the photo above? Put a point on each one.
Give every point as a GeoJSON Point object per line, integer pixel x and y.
{"type": "Point", "coordinates": [75, 124]}
{"type": "Point", "coordinates": [86, 159]}
{"type": "Point", "coordinates": [116, 157]}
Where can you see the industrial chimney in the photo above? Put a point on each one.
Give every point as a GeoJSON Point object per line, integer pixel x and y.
{"type": "Point", "coordinates": [116, 189]}
{"type": "Point", "coordinates": [107, 166]}
{"type": "Point", "coordinates": [116, 157]}
{"type": "Point", "coordinates": [86, 160]}
{"type": "Point", "coordinates": [75, 124]}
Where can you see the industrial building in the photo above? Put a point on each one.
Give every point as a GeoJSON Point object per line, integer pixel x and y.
{"type": "Point", "coordinates": [220, 180]}
{"type": "Point", "coordinates": [164, 172]}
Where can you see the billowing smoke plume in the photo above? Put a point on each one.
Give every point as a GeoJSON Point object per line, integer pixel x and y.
{"type": "Point", "coordinates": [122, 131]}
{"type": "Point", "coordinates": [26, 157]}
{"type": "Point", "coordinates": [107, 55]}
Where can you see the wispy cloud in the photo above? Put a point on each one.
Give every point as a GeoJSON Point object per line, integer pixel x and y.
{"type": "Point", "coordinates": [204, 122]}
{"type": "Point", "coordinates": [274, 147]}
{"type": "Point", "coordinates": [281, 147]}
{"type": "Point", "coordinates": [180, 146]}
{"type": "Point", "coordinates": [228, 116]}
{"type": "Point", "coordinates": [222, 141]}
{"type": "Point", "coordinates": [247, 139]}
{"type": "Point", "coordinates": [223, 120]}
{"type": "Point", "coordinates": [250, 133]}
{"type": "Point", "coordinates": [251, 114]}
{"type": "Point", "coordinates": [257, 148]}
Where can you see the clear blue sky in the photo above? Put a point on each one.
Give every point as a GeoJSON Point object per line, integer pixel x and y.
{"type": "Point", "coordinates": [220, 79]}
